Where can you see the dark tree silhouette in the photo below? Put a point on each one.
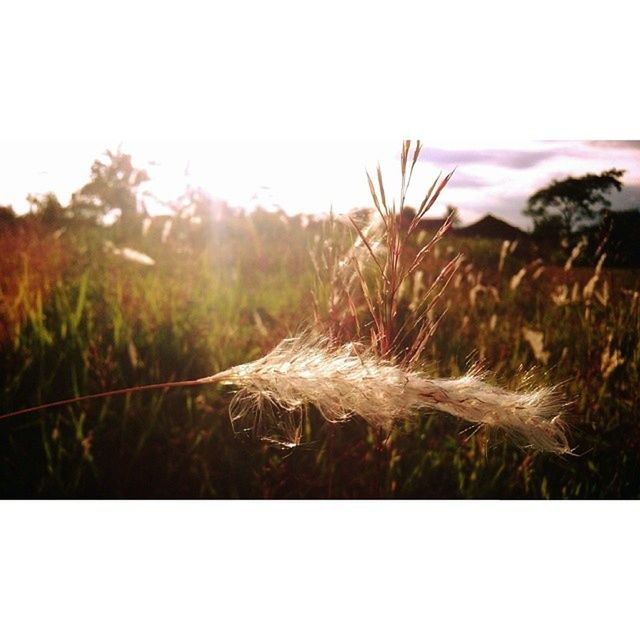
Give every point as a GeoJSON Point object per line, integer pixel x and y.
{"type": "Point", "coordinates": [407, 216]}
{"type": "Point", "coordinates": [114, 185]}
{"type": "Point", "coordinates": [7, 215]}
{"type": "Point", "coordinates": [566, 203]}
{"type": "Point", "coordinates": [47, 208]}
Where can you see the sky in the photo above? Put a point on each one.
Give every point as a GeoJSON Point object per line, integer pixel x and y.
{"type": "Point", "coordinates": [312, 176]}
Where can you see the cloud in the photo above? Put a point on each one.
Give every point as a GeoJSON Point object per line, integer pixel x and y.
{"type": "Point", "coordinates": [510, 158]}
{"type": "Point", "coordinates": [463, 180]}
{"type": "Point", "coordinates": [628, 198]}
{"type": "Point", "coordinates": [508, 208]}
{"type": "Point", "coordinates": [616, 144]}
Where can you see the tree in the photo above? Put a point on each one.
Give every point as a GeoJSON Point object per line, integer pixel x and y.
{"type": "Point", "coordinates": [47, 208]}
{"type": "Point", "coordinates": [566, 203]}
{"type": "Point", "coordinates": [114, 185]}
{"type": "Point", "coordinates": [7, 215]}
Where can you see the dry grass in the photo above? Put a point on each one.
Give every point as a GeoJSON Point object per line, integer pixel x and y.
{"type": "Point", "coordinates": [376, 375]}
{"type": "Point", "coordinates": [31, 262]}
{"type": "Point", "coordinates": [352, 380]}
{"type": "Point", "coordinates": [217, 299]}
{"type": "Point", "coordinates": [379, 381]}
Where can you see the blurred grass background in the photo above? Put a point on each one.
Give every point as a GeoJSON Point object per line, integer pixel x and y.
{"type": "Point", "coordinates": [77, 319]}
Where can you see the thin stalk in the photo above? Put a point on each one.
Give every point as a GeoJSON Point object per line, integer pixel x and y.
{"type": "Point", "coordinates": [118, 392]}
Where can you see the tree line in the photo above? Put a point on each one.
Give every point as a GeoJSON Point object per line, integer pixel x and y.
{"type": "Point", "coordinates": [559, 211]}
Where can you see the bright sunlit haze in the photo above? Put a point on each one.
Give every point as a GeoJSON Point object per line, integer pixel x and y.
{"type": "Point", "coordinates": [313, 176]}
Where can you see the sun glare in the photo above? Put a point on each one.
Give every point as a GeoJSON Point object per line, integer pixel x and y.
{"type": "Point", "coordinates": [305, 176]}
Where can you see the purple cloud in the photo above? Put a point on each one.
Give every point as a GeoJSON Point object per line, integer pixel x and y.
{"type": "Point", "coordinates": [510, 158]}
{"type": "Point", "coordinates": [616, 144]}
{"type": "Point", "coordinates": [463, 180]}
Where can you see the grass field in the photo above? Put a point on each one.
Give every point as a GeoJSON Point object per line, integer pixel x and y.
{"type": "Point", "coordinates": [75, 319]}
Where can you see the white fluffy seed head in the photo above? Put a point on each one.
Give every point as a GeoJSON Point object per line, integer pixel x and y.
{"type": "Point", "coordinates": [346, 381]}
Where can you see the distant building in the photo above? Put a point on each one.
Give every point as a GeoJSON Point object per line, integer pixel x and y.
{"type": "Point", "coordinates": [432, 224]}
{"type": "Point", "coordinates": [491, 227]}
{"type": "Point", "coordinates": [488, 227]}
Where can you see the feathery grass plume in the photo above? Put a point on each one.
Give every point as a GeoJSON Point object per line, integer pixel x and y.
{"type": "Point", "coordinates": [536, 342]}
{"type": "Point", "coordinates": [575, 252]}
{"type": "Point", "coordinates": [503, 255]}
{"type": "Point", "coordinates": [610, 360]}
{"type": "Point", "coordinates": [538, 272]}
{"type": "Point", "coordinates": [146, 225]}
{"type": "Point", "coordinates": [517, 279]}
{"type": "Point", "coordinates": [166, 230]}
{"type": "Point", "coordinates": [352, 380]}
{"type": "Point", "coordinates": [590, 287]}
{"type": "Point", "coordinates": [506, 248]}
{"type": "Point", "coordinates": [132, 255]}
{"type": "Point", "coordinates": [343, 381]}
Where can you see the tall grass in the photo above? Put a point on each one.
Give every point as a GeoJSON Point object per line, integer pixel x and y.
{"type": "Point", "coordinates": [210, 303]}
{"type": "Point", "coordinates": [379, 380]}
{"type": "Point", "coordinates": [344, 382]}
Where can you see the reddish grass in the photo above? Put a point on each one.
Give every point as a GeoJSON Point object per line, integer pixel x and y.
{"type": "Point", "coordinates": [31, 262]}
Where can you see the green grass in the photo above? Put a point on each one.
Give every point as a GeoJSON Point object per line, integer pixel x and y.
{"type": "Point", "coordinates": [227, 294]}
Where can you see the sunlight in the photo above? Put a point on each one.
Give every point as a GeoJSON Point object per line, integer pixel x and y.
{"type": "Point", "coordinates": [311, 176]}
